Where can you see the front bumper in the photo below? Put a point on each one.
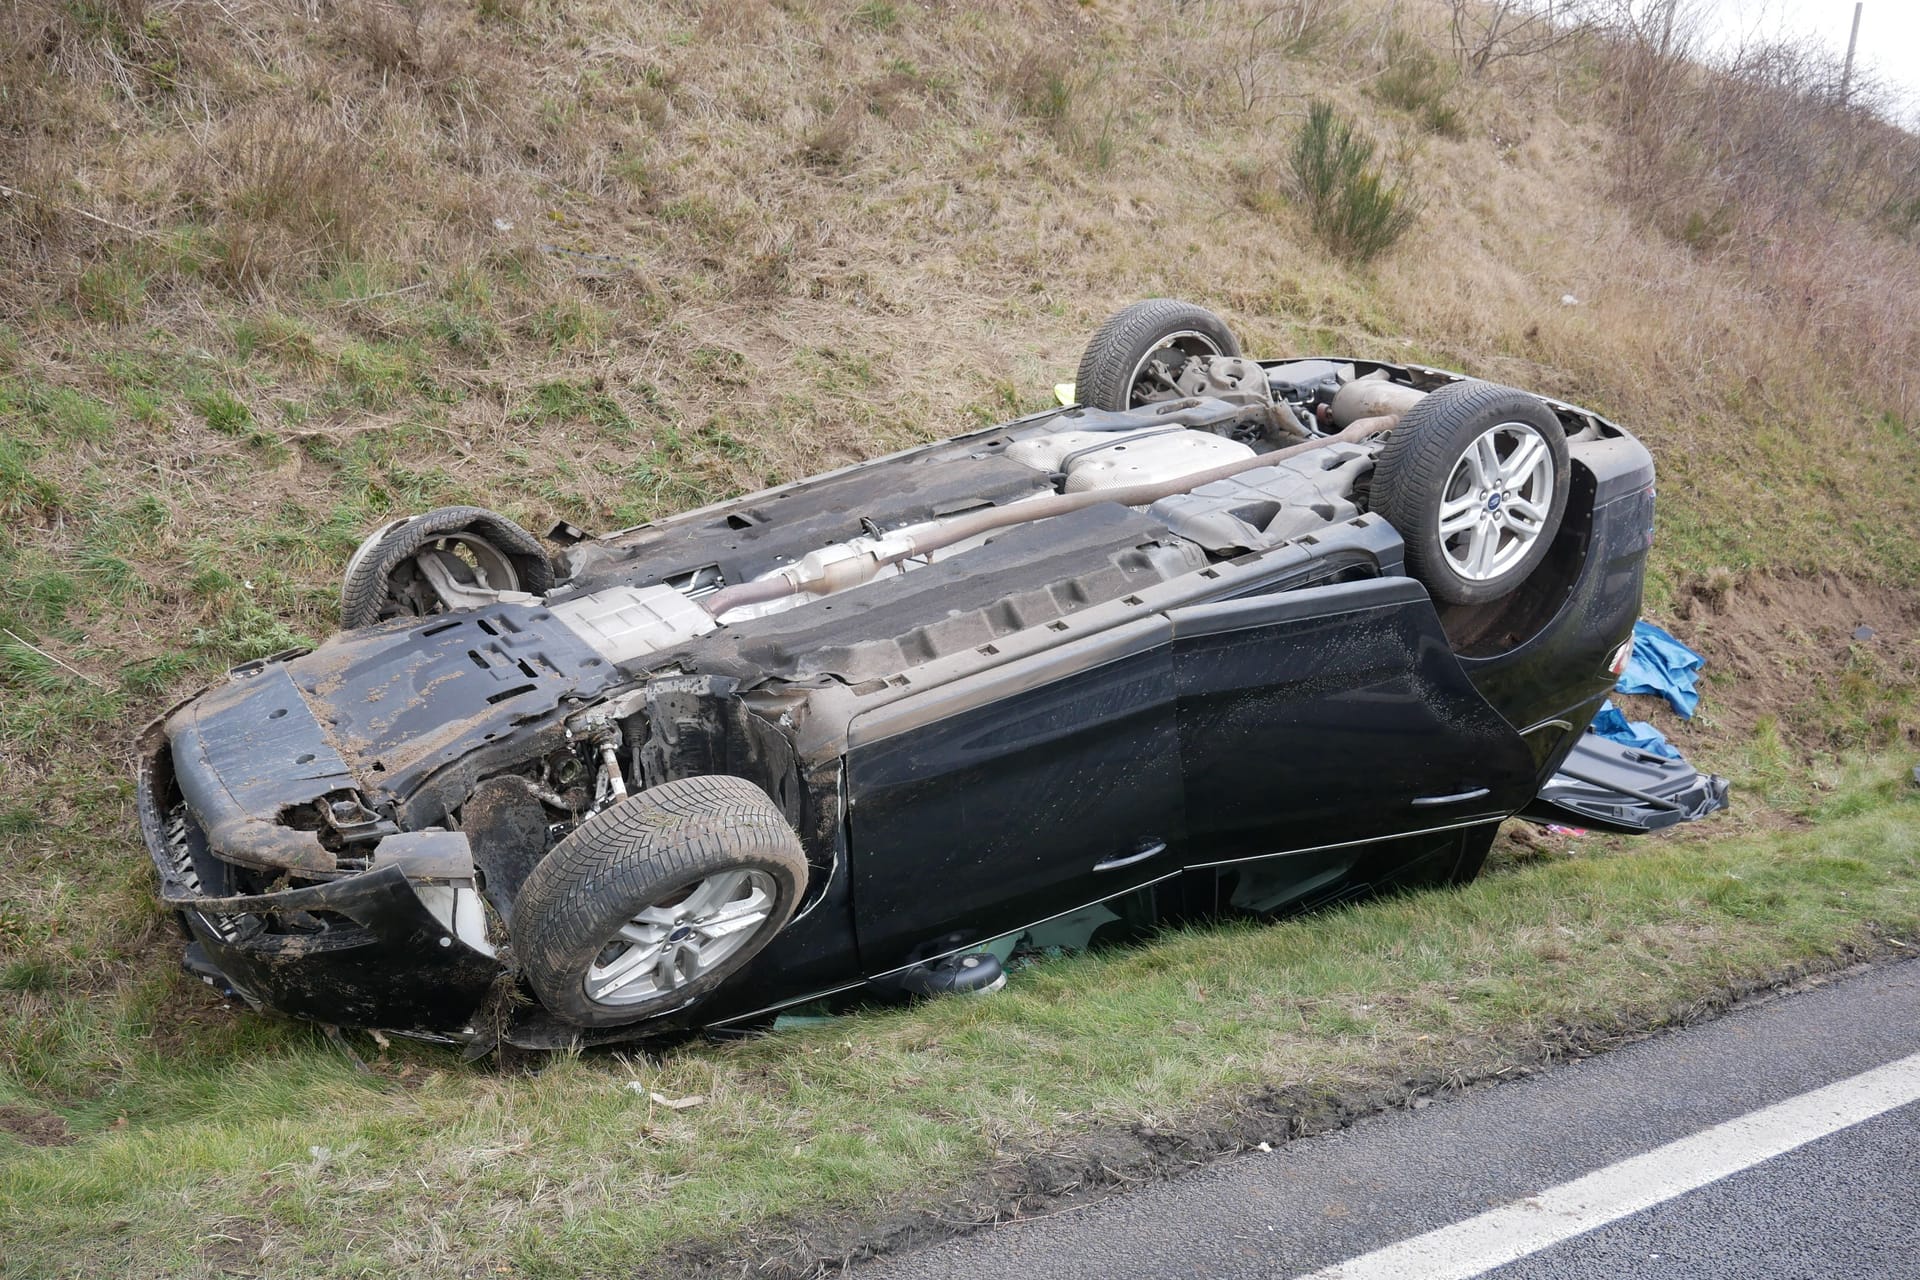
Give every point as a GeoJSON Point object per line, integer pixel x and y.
{"type": "Point", "coordinates": [399, 946]}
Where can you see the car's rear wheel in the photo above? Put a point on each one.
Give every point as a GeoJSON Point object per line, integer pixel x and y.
{"type": "Point", "coordinates": [404, 569]}
{"type": "Point", "coordinates": [1474, 478]}
{"type": "Point", "coordinates": [655, 901]}
{"type": "Point", "coordinates": [1134, 357]}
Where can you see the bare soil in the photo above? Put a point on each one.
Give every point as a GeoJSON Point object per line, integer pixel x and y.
{"type": "Point", "coordinates": [1766, 626]}
{"type": "Point", "coordinates": [1777, 646]}
{"type": "Point", "coordinates": [35, 1128]}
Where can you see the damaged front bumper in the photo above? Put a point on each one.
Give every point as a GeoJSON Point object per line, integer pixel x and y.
{"type": "Point", "coordinates": [400, 945]}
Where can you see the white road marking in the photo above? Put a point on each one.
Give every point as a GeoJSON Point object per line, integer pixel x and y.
{"type": "Point", "coordinates": [1499, 1236]}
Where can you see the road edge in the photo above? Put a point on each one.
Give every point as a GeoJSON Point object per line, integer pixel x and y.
{"type": "Point", "coordinates": [1103, 1161]}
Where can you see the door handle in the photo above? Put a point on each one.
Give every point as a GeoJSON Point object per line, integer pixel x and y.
{"type": "Point", "coordinates": [1128, 859]}
{"type": "Point", "coordinates": [1458, 797]}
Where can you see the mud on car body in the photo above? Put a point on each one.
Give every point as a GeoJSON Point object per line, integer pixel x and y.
{"type": "Point", "coordinates": [1229, 636]}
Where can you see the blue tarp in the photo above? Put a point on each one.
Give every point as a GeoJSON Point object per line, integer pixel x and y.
{"type": "Point", "coordinates": [1610, 724]}
{"type": "Point", "coordinates": [1660, 664]}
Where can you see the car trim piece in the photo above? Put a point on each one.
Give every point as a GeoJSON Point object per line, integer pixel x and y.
{"type": "Point", "coordinates": [1481, 821]}
{"type": "Point", "coordinates": [1644, 797]}
{"type": "Point", "coordinates": [1215, 617]}
{"type": "Point", "coordinates": [964, 949]}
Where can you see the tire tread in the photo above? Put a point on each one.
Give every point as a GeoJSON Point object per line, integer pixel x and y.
{"type": "Point", "coordinates": [621, 858]}
{"type": "Point", "coordinates": [1117, 345]}
{"type": "Point", "coordinates": [365, 588]}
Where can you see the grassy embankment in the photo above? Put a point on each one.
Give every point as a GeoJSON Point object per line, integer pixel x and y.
{"type": "Point", "coordinates": [275, 274]}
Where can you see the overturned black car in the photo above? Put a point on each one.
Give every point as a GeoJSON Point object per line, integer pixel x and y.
{"type": "Point", "coordinates": [1227, 636]}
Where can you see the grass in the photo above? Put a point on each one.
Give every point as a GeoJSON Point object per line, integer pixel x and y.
{"type": "Point", "coordinates": [263, 1134]}
{"type": "Point", "coordinates": [228, 351]}
{"type": "Point", "coordinates": [1416, 81]}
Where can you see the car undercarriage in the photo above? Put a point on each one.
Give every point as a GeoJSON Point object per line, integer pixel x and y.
{"type": "Point", "coordinates": [904, 696]}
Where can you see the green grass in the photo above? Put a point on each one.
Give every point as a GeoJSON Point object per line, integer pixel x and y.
{"type": "Point", "coordinates": [244, 1129]}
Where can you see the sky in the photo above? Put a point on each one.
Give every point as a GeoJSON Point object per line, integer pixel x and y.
{"type": "Point", "coordinates": [1889, 48]}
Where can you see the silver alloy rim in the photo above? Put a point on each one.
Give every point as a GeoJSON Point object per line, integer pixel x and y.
{"type": "Point", "coordinates": [1188, 343]}
{"type": "Point", "coordinates": [489, 565]}
{"type": "Point", "coordinates": [1496, 502]}
{"type": "Point", "coordinates": [665, 947]}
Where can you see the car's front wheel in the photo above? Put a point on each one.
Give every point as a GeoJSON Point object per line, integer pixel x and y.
{"type": "Point", "coordinates": [1474, 478]}
{"type": "Point", "coordinates": [655, 901]}
{"type": "Point", "coordinates": [408, 568]}
{"type": "Point", "coordinates": [1135, 356]}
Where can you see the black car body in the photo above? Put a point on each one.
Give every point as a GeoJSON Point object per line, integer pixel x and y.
{"type": "Point", "coordinates": [1113, 700]}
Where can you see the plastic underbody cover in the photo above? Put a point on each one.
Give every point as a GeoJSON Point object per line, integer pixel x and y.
{"type": "Point", "coordinates": [1298, 379]}
{"type": "Point", "coordinates": [400, 702]}
{"type": "Point", "coordinates": [1269, 505]}
{"type": "Point", "coordinates": [1615, 787]}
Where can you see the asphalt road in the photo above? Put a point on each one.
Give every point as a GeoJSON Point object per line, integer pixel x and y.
{"type": "Point", "coordinates": [1842, 1205]}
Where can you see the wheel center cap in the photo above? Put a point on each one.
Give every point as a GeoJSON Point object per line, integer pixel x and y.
{"type": "Point", "coordinates": [680, 935]}
{"type": "Point", "coordinates": [1493, 501]}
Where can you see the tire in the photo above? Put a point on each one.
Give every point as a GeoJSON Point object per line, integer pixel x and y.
{"type": "Point", "coordinates": [1116, 359]}
{"type": "Point", "coordinates": [1509, 520]}
{"type": "Point", "coordinates": [642, 866]}
{"type": "Point", "coordinates": [381, 581]}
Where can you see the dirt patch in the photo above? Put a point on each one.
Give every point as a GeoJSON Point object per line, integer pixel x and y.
{"type": "Point", "coordinates": [1101, 1163]}
{"type": "Point", "coordinates": [234, 1248]}
{"type": "Point", "coordinates": [1833, 661]}
{"type": "Point", "coordinates": [35, 1128]}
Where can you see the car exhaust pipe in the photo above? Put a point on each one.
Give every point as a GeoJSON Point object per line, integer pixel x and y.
{"type": "Point", "coordinates": [1373, 397]}
{"type": "Point", "coordinates": [849, 564]}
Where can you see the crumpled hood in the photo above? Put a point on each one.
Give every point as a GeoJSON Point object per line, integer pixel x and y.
{"type": "Point", "coordinates": [243, 753]}
{"type": "Point", "coordinates": [376, 710]}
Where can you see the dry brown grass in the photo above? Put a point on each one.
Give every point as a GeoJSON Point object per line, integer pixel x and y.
{"type": "Point", "coordinates": [276, 271]}
{"type": "Point", "coordinates": [1758, 164]}
{"type": "Point", "coordinates": [878, 220]}
{"type": "Point", "coordinates": [298, 257]}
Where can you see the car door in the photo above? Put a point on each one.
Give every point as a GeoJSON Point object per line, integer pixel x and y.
{"type": "Point", "coordinates": [1332, 715]}
{"type": "Point", "coordinates": [1006, 798]}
